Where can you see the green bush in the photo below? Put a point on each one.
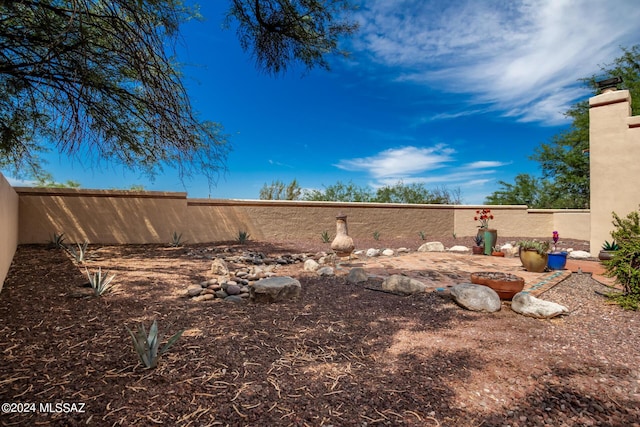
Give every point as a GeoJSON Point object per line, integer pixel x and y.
{"type": "Point", "coordinates": [625, 264]}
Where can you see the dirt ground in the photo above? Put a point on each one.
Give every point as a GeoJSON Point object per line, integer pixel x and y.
{"type": "Point", "coordinates": [342, 355]}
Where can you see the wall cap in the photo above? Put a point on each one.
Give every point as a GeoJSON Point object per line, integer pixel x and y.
{"type": "Point", "coordinates": [633, 122]}
{"type": "Point", "coordinates": [84, 192]}
{"type": "Point", "coordinates": [610, 98]}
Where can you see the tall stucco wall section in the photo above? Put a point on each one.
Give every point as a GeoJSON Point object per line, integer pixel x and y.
{"type": "Point", "coordinates": [99, 216]}
{"type": "Point", "coordinates": [285, 220]}
{"type": "Point", "coordinates": [9, 203]}
{"type": "Point", "coordinates": [119, 217]}
{"type": "Point", "coordinates": [614, 139]}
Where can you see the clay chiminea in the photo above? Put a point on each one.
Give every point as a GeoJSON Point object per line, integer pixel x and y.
{"type": "Point", "coordinates": [342, 245]}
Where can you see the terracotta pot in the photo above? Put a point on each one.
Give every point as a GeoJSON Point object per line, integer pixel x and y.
{"type": "Point", "coordinates": [533, 261]}
{"type": "Point", "coordinates": [497, 254]}
{"type": "Point", "coordinates": [477, 250]}
{"type": "Point", "coordinates": [506, 285]}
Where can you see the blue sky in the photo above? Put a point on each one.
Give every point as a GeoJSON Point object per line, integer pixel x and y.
{"type": "Point", "coordinates": [455, 94]}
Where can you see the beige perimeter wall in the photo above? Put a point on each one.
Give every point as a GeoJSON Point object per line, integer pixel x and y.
{"type": "Point", "coordinates": [8, 226]}
{"type": "Point", "coordinates": [151, 217]}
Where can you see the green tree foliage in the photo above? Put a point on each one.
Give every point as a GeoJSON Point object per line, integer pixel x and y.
{"type": "Point", "coordinates": [97, 79]}
{"type": "Point", "coordinates": [625, 264]}
{"type": "Point", "coordinates": [46, 181]}
{"type": "Point", "coordinates": [278, 190]}
{"type": "Point", "coordinates": [340, 192]}
{"type": "Point", "coordinates": [279, 32]}
{"type": "Point", "coordinates": [398, 193]}
{"type": "Point", "coordinates": [564, 160]}
{"type": "Point", "coordinates": [415, 193]}
{"type": "Point", "coordinates": [526, 190]}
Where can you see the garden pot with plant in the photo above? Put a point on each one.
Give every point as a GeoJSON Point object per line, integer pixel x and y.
{"type": "Point", "coordinates": [534, 255]}
{"type": "Point", "coordinates": [489, 235]}
{"type": "Point", "coordinates": [608, 250]}
{"type": "Point", "coordinates": [556, 260]}
{"type": "Point", "coordinates": [478, 248]}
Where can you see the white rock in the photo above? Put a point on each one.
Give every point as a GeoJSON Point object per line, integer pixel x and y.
{"type": "Point", "coordinates": [528, 305]}
{"type": "Point", "coordinates": [311, 265]}
{"type": "Point", "coordinates": [579, 254]}
{"type": "Point", "coordinates": [372, 252]}
{"type": "Point", "coordinates": [459, 248]}
{"type": "Point", "coordinates": [388, 252]}
{"type": "Point", "coordinates": [476, 297]}
{"type": "Point", "coordinates": [402, 250]}
{"type": "Point", "coordinates": [509, 250]}
{"type": "Point", "coordinates": [431, 247]}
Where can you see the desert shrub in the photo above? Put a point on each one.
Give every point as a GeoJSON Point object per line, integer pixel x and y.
{"type": "Point", "coordinates": [625, 264]}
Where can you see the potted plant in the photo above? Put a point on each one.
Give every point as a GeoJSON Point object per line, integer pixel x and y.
{"type": "Point", "coordinates": [497, 252]}
{"type": "Point", "coordinates": [556, 259]}
{"type": "Point", "coordinates": [488, 234]}
{"type": "Point", "coordinates": [478, 248]}
{"type": "Point", "coordinates": [534, 255]}
{"type": "Point", "coordinates": [608, 250]}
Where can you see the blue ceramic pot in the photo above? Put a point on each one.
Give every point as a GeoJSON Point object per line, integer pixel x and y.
{"type": "Point", "coordinates": [557, 260]}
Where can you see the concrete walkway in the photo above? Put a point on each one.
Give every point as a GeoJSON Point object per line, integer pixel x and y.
{"type": "Point", "coordinates": [441, 270]}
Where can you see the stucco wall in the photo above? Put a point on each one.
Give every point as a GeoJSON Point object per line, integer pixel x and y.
{"type": "Point", "coordinates": [150, 217]}
{"type": "Point", "coordinates": [8, 226]}
{"type": "Point", "coordinates": [99, 216]}
{"type": "Point", "coordinates": [614, 162]}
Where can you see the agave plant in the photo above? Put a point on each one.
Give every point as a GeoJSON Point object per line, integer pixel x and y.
{"type": "Point", "coordinates": [613, 246]}
{"type": "Point", "coordinates": [99, 282]}
{"type": "Point", "coordinates": [243, 236]}
{"type": "Point", "coordinates": [325, 236]}
{"type": "Point", "coordinates": [376, 235]}
{"type": "Point", "coordinates": [176, 240]}
{"type": "Point", "coordinates": [57, 240]}
{"type": "Point", "coordinates": [147, 346]}
{"type": "Point", "coordinates": [80, 254]}
{"type": "Point", "coordinates": [422, 234]}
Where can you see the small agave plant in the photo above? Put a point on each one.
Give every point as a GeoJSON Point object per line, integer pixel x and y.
{"type": "Point", "coordinates": [99, 282]}
{"type": "Point", "coordinates": [148, 346]}
{"type": "Point", "coordinates": [80, 254]}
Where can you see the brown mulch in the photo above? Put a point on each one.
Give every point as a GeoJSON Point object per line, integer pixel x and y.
{"type": "Point", "coordinates": [343, 355]}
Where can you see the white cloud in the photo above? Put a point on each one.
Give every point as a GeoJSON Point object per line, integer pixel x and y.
{"type": "Point", "coordinates": [481, 164]}
{"type": "Point", "coordinates": [397, 163]}
{"type": "Point", "coordinates": [522, 58]}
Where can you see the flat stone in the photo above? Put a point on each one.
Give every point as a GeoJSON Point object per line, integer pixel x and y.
{"type": "Point", "coordinates": [205, 297]}
{"type": "Point", "coordinates": [403, 285]}
{"type": "Point", "coordinates": [459, 248]}
{"type": "Point", "coordinates": [357, 275]}
{"type": "Point", "coordinates": [275, 289]}
{"type": "Point", "coordinates": [528, 305]}
{"type": "Point", "coordinates": [388, 252]}
{"type": "Point", "coordinates": [579, 255]}
{"type": "Point", "coordinates": [194, 290]}
{"type": "Point", "coordinates": [431, 247]}
{"type": "Point", "coordinates": [476, 297]}
{"type": "Point", "coordinates": [326, 271]}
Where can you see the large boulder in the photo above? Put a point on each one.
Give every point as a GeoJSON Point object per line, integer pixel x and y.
{"type": "Point", "coordinates": [357, 275]}
{"type": "Point", "coordinates": [275, 289]}
{"type": "Point", "coordinates": [579, 254]}
{"type": "Point", "coordinates": [431, 247]}
{"type": "Point", "coordinates": [476, 297]}
{"type": "Point", "coordinates": [403, 285]}
{"type": "Point", "coordinates": [528, 305]}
